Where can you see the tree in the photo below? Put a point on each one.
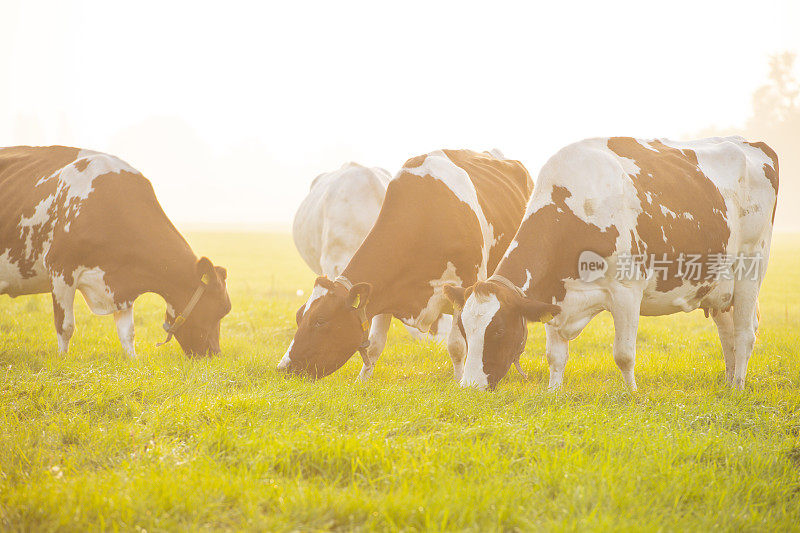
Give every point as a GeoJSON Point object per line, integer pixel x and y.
{"type": "Point", "coordinates": [776, 120]}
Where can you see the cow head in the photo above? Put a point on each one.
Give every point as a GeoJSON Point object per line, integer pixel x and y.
{"type": "Point", "coordinates": [199, 335]}
{"type": "Point", "coordinates": [494, 319]}
{"type": "Point", "coordinates": [328, 329]}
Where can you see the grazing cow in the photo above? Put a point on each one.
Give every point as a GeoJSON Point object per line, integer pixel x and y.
{"type": "Point", "coordinates": [447, 217]}
{"type": "Point", "coordinates": [330, 225]}
{"type": "Point", "coordinates": [81, 220]}
{"type": "Point", "coordinates": [634, 227]}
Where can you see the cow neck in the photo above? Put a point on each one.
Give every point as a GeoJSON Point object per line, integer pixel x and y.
{"type": "Point", "coordinates": [175, 272]}
{"type": "Point", "coordinates": [525, 260]}
{"type": "Point", "coordinates": [381, 274]}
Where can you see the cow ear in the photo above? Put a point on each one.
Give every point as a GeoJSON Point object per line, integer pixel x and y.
{"type": "Point", "coordinates": [457, 295]}
{"type": "Point", "coordinates": [222, 272]}
{"type": "Point", "coordinates": [358, 297]}
{"type": "Point", "coordinates": [205, 269]}
{"type": "Point", "coordinates": [535, 311]}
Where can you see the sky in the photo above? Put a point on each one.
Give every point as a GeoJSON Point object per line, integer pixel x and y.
{"type": "Point", "coordinates": [231, 109]}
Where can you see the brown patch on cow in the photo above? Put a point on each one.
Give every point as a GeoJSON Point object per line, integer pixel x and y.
{"type": "Point", "coordinates": [670, 178]}
{"type": "Point", "coordinates": [771, 172]}
{"type": "Point", "coordinates": [120, 228]}
{"type": "Point", "coordinates": [557, 239]}
{"type": "Point", "coordinates": [415, 162]}
{"type": "Point", "coordinates": [702, 291]}
{"type": "Point", "coordinates": [82, 164]}
{"type": "Point", "coordinates": [503, 187]}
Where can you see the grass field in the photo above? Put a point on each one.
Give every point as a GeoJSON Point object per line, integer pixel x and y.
{"type": "Point", "coordinates": [92, 440]}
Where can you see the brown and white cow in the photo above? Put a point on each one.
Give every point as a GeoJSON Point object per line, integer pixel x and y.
{"type": "Point", "coordinates": [447, 217]}
{"type": "Point", "coordinates": [634, 227]}
{"type": "Point", "coordinates": [78, 220]}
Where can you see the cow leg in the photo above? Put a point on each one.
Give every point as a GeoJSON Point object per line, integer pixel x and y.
{"type": "Point", "coordinates": [727, 337]}
{"type": "Point", "coordinates": [379, 330]}
{"type": "Point", "coordinates": [125, 330]}
{"type": "Point", "coordinates": [557, 352]}
{"type": "Point", "coordinates": [443, 325]}
{"type": "Point", "coordinates": [457, 348]}
{"type": "Point", "coordinates": [63, 300]}
{"type": "Point", "coordinates": [745, 322]}
{"type": "Point", "coordinates": [625, 312]}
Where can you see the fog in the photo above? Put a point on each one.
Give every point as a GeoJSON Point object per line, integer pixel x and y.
{"type": "Point", "coordinates": [232, 111]}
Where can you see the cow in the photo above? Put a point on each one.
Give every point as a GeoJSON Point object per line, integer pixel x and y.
{"type": "Point", "coordinates": [331, 223]}
{"type": "Point", "coordinates": [79, 220]}
{"type": "Point", "coordinates": [447, 217]}
{"type": "Point", "coordinates": [634, 227]}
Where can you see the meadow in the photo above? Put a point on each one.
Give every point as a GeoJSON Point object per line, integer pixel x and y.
{"type": "Point", "coordinates": [93, 440]}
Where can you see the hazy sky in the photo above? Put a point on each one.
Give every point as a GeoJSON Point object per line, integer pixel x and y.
{"type": "Point", "coordinates": [232, 110]}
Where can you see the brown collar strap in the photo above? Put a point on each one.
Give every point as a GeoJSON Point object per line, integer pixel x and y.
{"type": "Point", "coordinates": [497, 278]}
{"type": "Point", "coordinates": [362, 318]}
{"type": "Point", "coordinates": [181, 318]}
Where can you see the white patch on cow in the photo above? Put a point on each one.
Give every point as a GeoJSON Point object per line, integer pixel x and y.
{"type": "Point", "coordinates": [98, 295]}
{"type": "Point", "coordinates": [591, 173]}
{"type": "Point", "coordinates": [646, 145]}
{"type": "Point", "coordinates": [629, 166]}
{"type": "Point", "coordinates": [316, 293]}
{"type": "Point", "coordinates": [39, 217]}
{"type": "Point", "coordinates": [13, 283]}
{"type": "Point", "coordinates": [497, 154]}
{"type": "Point", "coordinates": [668, 212]}
{"type": "Point", "coordinates": [64, 296]}
{"type": "Point", "coordinates": [79, 183]}
{"type": "Point", "coordinates": [527, 284]}
{"type": "Point", "coordinates": [10, 276]}
{"type": "Point", "coordinates": [495, 239]}
{"type": "Point", "coordinates": [40, 214]}
{"type": "Point", "coordinates": [440, 167]}
{"type": "Point", "coordinates": [581, 302]}
{"type": "Point", "coordinates": [476, 315]}
{"type": "Point", "coordinates": [126, 330]}
{"type": "Point", "coordinates": [438, 302]}
{"type": "Point", "coordinates": [511, 248]}
{"type": "Point", "coordinates": [286, 360]}
{"type": "Point", "coordinates": [76, 184]}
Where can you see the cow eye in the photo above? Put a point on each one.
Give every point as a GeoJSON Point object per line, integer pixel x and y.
{"type": "Point", "coordinates": [319, 322]}
{"type": "Point", "coordinates": [499, 332]}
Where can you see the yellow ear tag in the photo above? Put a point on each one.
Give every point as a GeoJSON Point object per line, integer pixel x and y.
{"type": "Point", "coordinates": [546, 317]}
{"type": "Point", "coordinates": [204, 279]}
{"type": "Point", "coordinates": [357, 301]}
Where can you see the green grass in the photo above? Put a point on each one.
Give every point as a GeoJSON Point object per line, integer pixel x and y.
{"type": "Point", "coordinates": [94, 441]}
